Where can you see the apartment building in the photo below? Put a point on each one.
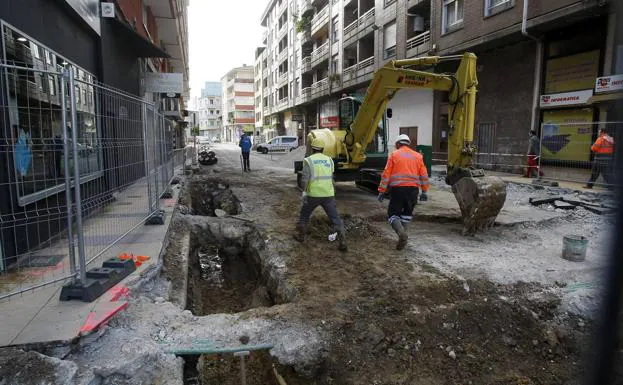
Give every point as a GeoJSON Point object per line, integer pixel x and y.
{"type": "Point", "coordinates": [238, 103]}
{"type": "Point", "coordinates": [208, 110]}
{"type": "Point", "coordinates": [318, 50]}
{"type": "Point", "coordinates": [538, 64]}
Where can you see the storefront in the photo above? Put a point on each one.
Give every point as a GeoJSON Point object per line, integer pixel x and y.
{"type": "Point", "coordinates": [569, 120]}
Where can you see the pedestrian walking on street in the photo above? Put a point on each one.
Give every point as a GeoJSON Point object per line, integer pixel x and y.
{"type": "Point", "coordinates": [317, 178]}
{"type": "Point", "coordinates": [602, 162]}
{"type": "Point", "coordinates": [404, 174]}
{"type": "Point", "coordinates": [245, 145]}
{"type": "Point", "coordinates": [534, 152]}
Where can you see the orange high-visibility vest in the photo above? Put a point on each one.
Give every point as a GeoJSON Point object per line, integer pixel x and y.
{"type": "Point", "coordinates": [405, 167]}
{"type": "Point", "coordinates": [603, 145]}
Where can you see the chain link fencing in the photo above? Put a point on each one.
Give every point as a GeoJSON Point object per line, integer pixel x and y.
{"type": "Point", "coordinates": [83, 166]}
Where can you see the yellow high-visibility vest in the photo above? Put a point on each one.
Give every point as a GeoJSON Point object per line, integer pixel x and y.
{"type": "Point", "coordinates": [321, 179]}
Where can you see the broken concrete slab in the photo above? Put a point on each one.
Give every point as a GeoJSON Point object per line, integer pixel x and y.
{"type": "Point", "coordinates": [17, 368]}
{"type": "Point", "coordinates": [563, 205]}
{"type": "Point", "coordinates": [547, 183]}
{"type": "Point", "coordinates": [515, 215]}
{"type": "Point", "coordinates": [537, 201]}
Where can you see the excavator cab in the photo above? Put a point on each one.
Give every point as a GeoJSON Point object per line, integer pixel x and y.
{"type": "Point", "coordinates": [376, 150]}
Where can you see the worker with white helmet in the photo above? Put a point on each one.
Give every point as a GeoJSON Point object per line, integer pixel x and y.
{"type": "Point", "coordinates": [317, 177]}
{"type": "Point", "coordinates": [404, 174]}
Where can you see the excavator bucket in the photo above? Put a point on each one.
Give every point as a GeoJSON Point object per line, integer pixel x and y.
{"type": "Point", "coordinates": [480, 200]}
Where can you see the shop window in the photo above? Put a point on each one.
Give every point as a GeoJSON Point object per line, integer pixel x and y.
{"type": "Point", "coordinates": [34, 114]}
{"type": "Point", "coordinates": [452, 17]}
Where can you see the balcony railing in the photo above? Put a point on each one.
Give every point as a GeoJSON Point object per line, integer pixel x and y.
{"type": "Point", "coordinates": [319, 53]}
{"type": "Point", "coordinates": [361, 24]}
{"type": "Point", "coordinates": [306, 64]}
{"type": "Point", "coordinates": [359, 69]}
{"type": "Point", "coordinates": [304, 7]}
{"type": "Point", "coordinates": [389, 2]}
{"type": "Point", "coordinates": [320, 19]}
{"type": "Point", "coordinates": [320, 88]}
{"type": "Point", "coordinates": [419, 44]}
{"type": "Point", "coordinates": [282, 80]}
{"type": "Point", "coordinates": [282, 55]}
{"type": "Point", "coordinates": [305, 95]}
{"type": "Point", "coordinates": [282, 104]}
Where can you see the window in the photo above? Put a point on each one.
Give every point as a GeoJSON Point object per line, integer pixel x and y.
{"type": "Point", "coordinates": [452, 15]}
{"type": "Point", "coordinates": [211, 101]}
{"type": "Point", "coordinates": [334, 65]}
{"type": "Point", "coordinates": [218, 112]}
{"type": "Point", "coordinates": [494, 6]}
{"type": "Point", "coordinates": [389, 40]}
{"type": "Point", "coordinates": [335, 30]}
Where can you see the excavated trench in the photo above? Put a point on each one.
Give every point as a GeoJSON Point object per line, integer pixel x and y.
{"type": "Point", "coordinates": [226, 275]}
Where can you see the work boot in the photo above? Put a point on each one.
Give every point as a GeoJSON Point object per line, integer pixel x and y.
{"type": "Point", "coordinates": [301, 233]}
{"type": "Point", "coordinates": [402, 235]}
{"type": "Point", "coordinates": [341, 237]}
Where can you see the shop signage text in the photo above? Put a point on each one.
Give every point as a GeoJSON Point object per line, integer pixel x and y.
{"type": "Point", "coordinates": [566, 99]}
{"type": "Point", "coordinates": [609, 83]}
{"type": "Point", "coordinates": [165, 83]}
{"type": "Point", "coordinates": [329, 121]}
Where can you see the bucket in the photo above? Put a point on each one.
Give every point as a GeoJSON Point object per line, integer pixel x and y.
{"type": "Point", "coordinates": [574, 248]}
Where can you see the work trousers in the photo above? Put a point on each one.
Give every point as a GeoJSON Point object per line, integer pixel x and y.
{"type": "Point", "coordinates": [601, 165]}
{"type": "Point", "coordinates": [245, 160]}
{"type": "Point", "coordinates": [533, 167]}
{"type": "Point", "coordinates": [401, 204]}
{"type": "Point", "coordinates": [328, 205]}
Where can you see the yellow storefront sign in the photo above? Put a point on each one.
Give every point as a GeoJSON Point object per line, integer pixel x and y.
{"type": "Point", "coordinates": [567, 134]}
{"type": "Point", "coordinates": [570, 73]}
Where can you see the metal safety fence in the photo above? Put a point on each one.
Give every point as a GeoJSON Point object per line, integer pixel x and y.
{"type": "Point", "coordinates": [83, 165]}
{"type": "Point", "coordinates": [580, 152]}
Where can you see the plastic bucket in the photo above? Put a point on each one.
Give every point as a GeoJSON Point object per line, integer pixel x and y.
{"type": "Point", "coordinates": [574, 248]}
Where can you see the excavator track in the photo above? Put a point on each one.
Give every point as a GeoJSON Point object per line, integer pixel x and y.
{"type": "Point", "coordinates": [481, 199]}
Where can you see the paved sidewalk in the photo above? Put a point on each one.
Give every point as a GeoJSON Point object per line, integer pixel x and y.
{"type": "Point", "coordinates": [39, 316]}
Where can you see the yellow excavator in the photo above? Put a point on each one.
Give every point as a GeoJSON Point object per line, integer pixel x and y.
{"type": "Point", "coordinates": [359, 146]}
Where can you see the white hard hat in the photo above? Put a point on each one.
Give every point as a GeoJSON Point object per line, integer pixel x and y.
{"type": "Point", "coordinates": [404, 139]}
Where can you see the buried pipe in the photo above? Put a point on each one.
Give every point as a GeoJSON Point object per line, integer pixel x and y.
{"type": "Point", "coordinates": [210, 350]}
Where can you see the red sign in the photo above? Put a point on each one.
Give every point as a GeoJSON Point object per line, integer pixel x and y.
{"type": "Point", "coordinates": [329, 122]}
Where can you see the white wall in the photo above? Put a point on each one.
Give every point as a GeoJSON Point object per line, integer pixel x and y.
{"type": "Point", "coordinates": [412, 108]}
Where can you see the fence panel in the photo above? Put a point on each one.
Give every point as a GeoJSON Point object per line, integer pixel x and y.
{"type": "Point", "coordinates": [35, 228]}
{"type": "Point", "coordinates": [568, 152]}
{"type": "Point", "coordinates": [83, 166]}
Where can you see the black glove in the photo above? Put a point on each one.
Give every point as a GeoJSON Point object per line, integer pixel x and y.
{"type": "Point", "coordinates": [423, 197]}
{"type": "Point", "coordinates": [381, 197]}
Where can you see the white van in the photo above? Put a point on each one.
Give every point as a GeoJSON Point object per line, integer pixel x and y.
{"type": "Point", "coordinates": [279, 143]}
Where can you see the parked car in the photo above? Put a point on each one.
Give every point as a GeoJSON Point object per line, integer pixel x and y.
{"type": "Point", "coordinates": [203, 140]}
{"type": "Point", "coordinates": [279, 143]}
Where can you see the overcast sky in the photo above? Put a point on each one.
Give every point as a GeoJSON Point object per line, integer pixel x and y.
{"type": "Point", "coordinates": [223, 34]}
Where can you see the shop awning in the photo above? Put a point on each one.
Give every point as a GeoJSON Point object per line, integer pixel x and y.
{"type": "Point", "coordinates": [595, 99]}
{"type": "Point", "coordinates": [141, 46]}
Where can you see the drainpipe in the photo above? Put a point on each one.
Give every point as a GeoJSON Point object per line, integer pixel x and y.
{"type": "Point", "coordinates": [537, 66]}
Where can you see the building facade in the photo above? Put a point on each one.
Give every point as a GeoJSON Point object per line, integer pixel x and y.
{"type": "Point", "coordinates": [238, 102]}
{"type": "Point", "coordinates": [208, 109]}
{"type": "Point", "coordinates": [537, 68]}
{"type": "Point", "coordinates": [318, 50]}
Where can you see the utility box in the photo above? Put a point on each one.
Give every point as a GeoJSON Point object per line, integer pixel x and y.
{"type": "Point", "coordinates": [427, 153]}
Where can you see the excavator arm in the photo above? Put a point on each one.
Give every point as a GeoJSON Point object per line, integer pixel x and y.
{"type": "Point", "coordinates": [480, 197]}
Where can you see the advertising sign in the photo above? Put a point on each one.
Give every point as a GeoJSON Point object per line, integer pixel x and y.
{"type": "Point", "coordinates": [88, 11]}
{"type": "Point", "coordinates": [329, 122]}
{"type": "Point", "coordinates": [609, 83]}
{"type": "Point", "coordinates": [567, 134]}
{"type": "Point", "coordinates": [565, 99]}
{"type": "Point", "coordinates": [569, 73]}
{"type": "Point", "coordinates": [159, 82]}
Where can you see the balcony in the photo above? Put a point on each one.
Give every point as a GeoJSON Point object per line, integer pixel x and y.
{"type": "Point", "coordinates": [305, 36]}
{"type": "Point", "coordinates": [264, 72]}
{"type": "Point", "coordinates": [320, 20]}
{"type": "Point", "coordinates": [418, 45]}
{"type": "Point", "coordinates": [320, 88]}
{"type": "Point", "coordinates": [282, 104]}
{"type": "Point", "coordinates": [282, 55]}
{"type": "Point", "coordinates": [389, 2]}
{"type": "Point", "coordinates": [265, 37]}
{"type": "Point", "coordinates": [306, 64]}
{"type": "Point", "coordinates": [304, 7]}
{"type": "Point", "coordinates": [305, 95]}
{"type": "Point", "coordinates": [266, 111]}
{"type": "Point", "coordinates": [359, 28]}
{"type": "Point", "coordinates": [282, 31]}
{"type": "Point", "coordinates": [358, 73]}
{"type": "Point", "coordinates": [412, 3]}
{"type": "Point", "coordinates": [282, 80]}
{"type": "Point", "coordinates": [320, 54]}
{"type": "Point", "coordinates": [281, 7]}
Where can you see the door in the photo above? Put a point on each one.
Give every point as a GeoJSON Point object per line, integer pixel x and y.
{"type": "Point", "coordinates": [485, 145]}
{"type": "Point", "coordinates": [411, 132]}
{"type": "Point", "coordinates": [274, 143]}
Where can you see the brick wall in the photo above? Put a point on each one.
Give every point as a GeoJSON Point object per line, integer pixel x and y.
{"type": "Point", "coordinates": [477, 28]}
{"type": "Point", "coordinates": [506, 79]}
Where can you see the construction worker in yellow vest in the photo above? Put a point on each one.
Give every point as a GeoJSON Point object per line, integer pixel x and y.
{"type": "Point", "coordinates": [319, 191]}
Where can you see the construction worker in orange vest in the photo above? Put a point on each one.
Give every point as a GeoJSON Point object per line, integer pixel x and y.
{"type": "Point", "coordinates": [405, 173]}
{"type": "Point", "coordinates": [604, 152]}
